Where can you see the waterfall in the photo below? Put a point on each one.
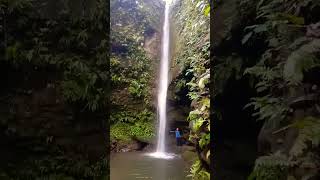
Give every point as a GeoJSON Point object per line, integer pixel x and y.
{"type": "Point", "coordinates": [163, 83]}
{"type": "Point", "coordinates": [162, 90]}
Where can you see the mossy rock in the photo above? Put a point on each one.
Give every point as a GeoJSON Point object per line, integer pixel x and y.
{"type": "Point", "coordinates": [189, 156]}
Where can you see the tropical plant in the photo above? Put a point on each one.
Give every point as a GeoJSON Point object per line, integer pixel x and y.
{"type": "Point", "coordinates": [192, 56]}
{"type": "Point", "coordinates": [286, 66]}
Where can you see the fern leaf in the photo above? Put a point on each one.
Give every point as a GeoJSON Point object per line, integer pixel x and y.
{"type": "Point", "coordinates": [300, 61]}
{"type": "Point", "coordinates": [309, 131]}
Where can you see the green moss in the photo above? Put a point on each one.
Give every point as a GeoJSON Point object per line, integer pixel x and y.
{"type": "Point", "coordinates": [128, 125]}
{"type": "Point", "coordinates": [142, 131]}
{"type": "Point", "coordinates": [120, 131]}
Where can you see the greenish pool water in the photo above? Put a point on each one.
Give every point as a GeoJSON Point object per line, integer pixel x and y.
{"type": "Point", "coordinates": [135, 165]}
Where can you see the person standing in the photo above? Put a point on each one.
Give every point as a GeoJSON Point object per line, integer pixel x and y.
{"type": "Point", "coordinates": [178, 137]}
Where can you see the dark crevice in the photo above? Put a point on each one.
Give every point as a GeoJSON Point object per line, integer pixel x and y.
{"type": "Point", "coordinates": [235, 131]}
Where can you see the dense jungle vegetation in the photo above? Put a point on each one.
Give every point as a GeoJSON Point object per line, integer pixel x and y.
{"type": "Point", "coordinates": [191, 58]}
{"type": "Point", "coordinates": [135, 35]}
{"type": "Point", "coordinates": [269, 50]}
{"type": "Point", "coordinates": [54, 89]}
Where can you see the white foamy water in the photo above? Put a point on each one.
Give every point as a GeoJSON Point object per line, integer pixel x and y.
{"type": "Point", "coordinates": [162, 155]}
{"type": "Point", "coordinates": [163, 87]}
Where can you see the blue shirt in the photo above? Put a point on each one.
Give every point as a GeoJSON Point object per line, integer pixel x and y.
{"type": "Point", "coordinates": [177, 134]}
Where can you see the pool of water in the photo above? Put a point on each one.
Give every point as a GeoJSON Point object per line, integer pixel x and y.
{"type": "Point", "coordinates": [137, 165]}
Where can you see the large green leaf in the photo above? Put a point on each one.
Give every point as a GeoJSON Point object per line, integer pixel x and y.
{"type": "Point", "coordinates": [300, 61]}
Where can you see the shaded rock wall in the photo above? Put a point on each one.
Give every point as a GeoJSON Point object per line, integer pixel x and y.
{"type": "Point", "coordinates": [235, 130]}
{"type": "Point", "coordinates": [42, 114]}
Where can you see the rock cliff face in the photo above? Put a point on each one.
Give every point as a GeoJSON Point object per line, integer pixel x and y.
{"type": "Point", "coordinates": [44, 111]}
{"type": "Point", "coordinates": [235, 130]}
{"type": "Point", "coordinates": [136, 46]}
{"type": "Point", "coordinates": [36, 118]}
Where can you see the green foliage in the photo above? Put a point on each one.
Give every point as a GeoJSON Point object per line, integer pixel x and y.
{"type": "Point", "coordinates": [270, 109]}
{"type": "Point", "coordinates": [180, 84]}
{"type": "Point", "coordinates": [205, 140]}
{"type": "Point", "coordinates": [142, 131]}
{"type": "Point", "coordinates": [133, 72]}
{"type": "Point", "coordinates": [269, 78]}
{"type": "Point", "coordinates": [197, 173]}
{"type": "Point", "coordinates": [132, 117]}
{"type": "Point", "coordinates": [120, 131]}
{"type": "Point", "coordinates": [276, 13]}
{"type": "Point", "coordinates": [273, 167]}
{"type": "Point", "coordinates": [192, 56]}
{"type": "Point", "coordinates": [277, 165]}
{"type": "Point", "coordinates": [309, 132]}
{"type": "Point", "coordinates": [62, 44]}
{"type": "Point", "coordinates": [300, 61]}
{"type": "Point", "coordinates": [279, 74]}
{"type": "Point", "coordinates": [132, 22]}
{"type": "Point", "coordinates": [71, 50]}
{"type": "Point", "coordinates": [58, 166]}
{"type": "Point", "coordinates": [137, 89]}
{"type": "Point", "coordinates": [128, 125]}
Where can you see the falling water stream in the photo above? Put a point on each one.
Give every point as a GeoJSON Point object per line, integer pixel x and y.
{"type": "Point", "coordinates": [163, 84]}
{"type": "Point", "coordinates": [163, 88]}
